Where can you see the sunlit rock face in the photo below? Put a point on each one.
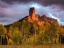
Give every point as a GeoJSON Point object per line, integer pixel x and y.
{"type": "Point", "coordinates": [32, 15]}
{"type": "Point", "coordinates": [40, 19]}
{"type": "Point", "coordinates": [41, 23]}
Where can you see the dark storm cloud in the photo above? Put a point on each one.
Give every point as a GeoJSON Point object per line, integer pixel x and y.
{"type": "Point", "coordinates": [51, 2]}
{"type": "Point", "coordinates": [44, 2]}
{"type": "Point", "coordinates": [14, 10]}
{"type": "Point", "coordinates": [4, 20]}
{"type": "Point", "coordinates": [12, 1]}
{"type": "Point", "coordinates": [2, 16]}
{"type": "Point", "coordinates": [4, 5]}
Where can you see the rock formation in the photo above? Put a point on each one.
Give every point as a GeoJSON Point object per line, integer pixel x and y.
{"type": "Point", "coordinates": [32, 15]}
{"type": "Point", "coordinates": [40, 19]}
{"type": "Point", "coordinates": [35, 17]}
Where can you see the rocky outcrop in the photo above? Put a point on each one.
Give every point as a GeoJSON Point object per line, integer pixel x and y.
{"type": "Point", "coordinates": [35, 17]}
{"type": "Point", "coordinates": [32, 16]}
{"type": "Point", "coordinates": [50, 20]}
{"type": "Point", "coordinates": [40, 19]}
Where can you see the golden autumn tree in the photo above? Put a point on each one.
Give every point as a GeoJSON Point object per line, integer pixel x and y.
{"type": "Point", "coordinates": [3, 31]}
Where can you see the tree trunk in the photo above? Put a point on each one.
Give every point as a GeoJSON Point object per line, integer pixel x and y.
{"type": "Point", "coordinates": [35, 33]}
{"type": "Point", "coordinates": [35, 36]}
{"type": "Point", "coordinates": [1, 39]}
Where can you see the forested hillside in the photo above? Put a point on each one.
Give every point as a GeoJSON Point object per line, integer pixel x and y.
{"type": "Point", "coordinates": [32, 29]}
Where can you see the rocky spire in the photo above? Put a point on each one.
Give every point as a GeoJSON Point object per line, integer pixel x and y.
{"type": "Point", "coordinates": [31, 11]}
{"type": "Point", "coordinates": [32, 14]}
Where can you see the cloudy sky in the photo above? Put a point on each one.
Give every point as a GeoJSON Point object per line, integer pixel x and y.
{"type": "Point", "coordinates": [13, 10]}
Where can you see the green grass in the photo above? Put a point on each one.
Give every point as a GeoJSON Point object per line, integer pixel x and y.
{"type": "Point", "coordinates": [31, 46]}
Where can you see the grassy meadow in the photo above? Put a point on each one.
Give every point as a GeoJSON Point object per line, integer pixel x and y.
{"type": "Point", "coordinates": [31, 46]}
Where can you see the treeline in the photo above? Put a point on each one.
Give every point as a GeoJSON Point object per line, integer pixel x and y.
{"type": "Point", "coordinates": [31, 33]}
